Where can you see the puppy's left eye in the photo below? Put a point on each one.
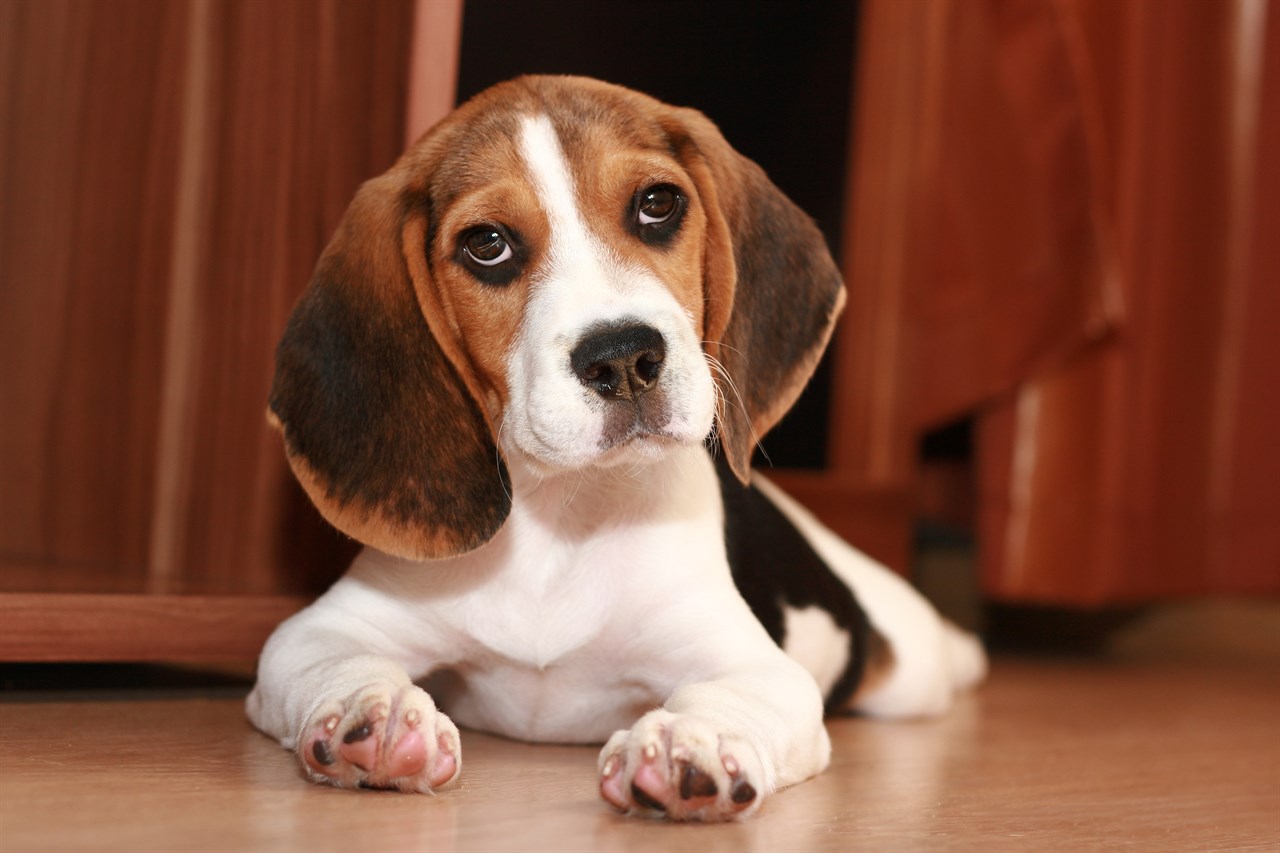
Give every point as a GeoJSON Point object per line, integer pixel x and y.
{"type": "Point", "coordinates": [656, 213]}
{"type": "Point", "coordinates": [492, 254]}
{"type": "Point", "coordinates": [657, 205]}
{"type": "Point", "coordinates": [486, 247]}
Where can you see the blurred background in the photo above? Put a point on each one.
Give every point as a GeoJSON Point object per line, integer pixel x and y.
{"type": "Point", "coordinates": [1053, 400]}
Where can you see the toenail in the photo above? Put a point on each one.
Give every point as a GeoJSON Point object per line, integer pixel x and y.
{"type": "Point", "coordinates": [331, 724]}
{"type": "Point", "coordinates": [413, 717]}
{"type": "Point", "coordinates": [742, 792]}
{"type": "Point", "coordinates": [730, 765]}
{"type": "Point", "coordinates": [610, 766]}
{"type": "Point", "coordinates": [650, 752]}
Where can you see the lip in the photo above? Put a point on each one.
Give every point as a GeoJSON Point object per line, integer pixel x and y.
{"type": "Point", "coordinates": [639, 435]}
{"type": "Point", "coordinates": [643, 447]}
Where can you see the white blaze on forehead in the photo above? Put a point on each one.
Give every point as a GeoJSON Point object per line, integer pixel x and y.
{"type": "Point", "coordinates": [540, 146]}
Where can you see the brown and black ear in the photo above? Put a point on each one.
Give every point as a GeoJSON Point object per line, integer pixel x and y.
{"type": "Point", "coordinates": [378, 425]}
{"type": "Point", "coordinates": [772, 290]}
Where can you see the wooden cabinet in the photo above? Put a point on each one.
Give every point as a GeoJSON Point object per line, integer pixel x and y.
{"type": "Point", "coordinates": [1092, 276]}
{"type": "Point", "coordinates": [1147, 466]}
{"type": "Point", "coordinates": [171, 172]}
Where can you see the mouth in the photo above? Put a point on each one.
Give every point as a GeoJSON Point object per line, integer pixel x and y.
{"type": "Point", "coordinates": [640, 446]}
{"type": "Point", "coordinates": [633, 443]}
{"type": "Point", "coordinates": [639, 436]}
{"type": "Point", "coordinates": [641, 421]}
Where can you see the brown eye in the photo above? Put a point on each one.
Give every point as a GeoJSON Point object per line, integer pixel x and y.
{"type": "Point", "coordinates": [657, 205]}
{"type": "Point", "coordinates": [486, 247]}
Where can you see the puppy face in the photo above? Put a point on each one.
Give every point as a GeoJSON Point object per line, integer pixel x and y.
{"type": "Point", "coordinates": [573, 271]}
{"type": "Point", "coordinates": [562, 270]}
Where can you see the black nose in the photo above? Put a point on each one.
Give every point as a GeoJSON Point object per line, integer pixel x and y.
{"type": "Point", "coordinates": [619, 362]}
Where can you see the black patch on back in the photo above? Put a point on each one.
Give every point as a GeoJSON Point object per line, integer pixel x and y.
{"type": "Point", "coordinates": [774, 565]}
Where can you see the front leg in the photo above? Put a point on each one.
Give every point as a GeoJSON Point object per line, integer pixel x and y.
{"type": "Point", "coordinates": [718, 748]}
{"type": "Point", "coordinates": [333, 689]}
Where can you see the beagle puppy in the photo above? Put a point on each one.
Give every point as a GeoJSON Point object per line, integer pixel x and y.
{"type": "Point", "coordinates": [528, 376]}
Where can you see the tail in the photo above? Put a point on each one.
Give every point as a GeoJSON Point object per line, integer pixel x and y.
{"type": "Point", "coordinates": [968, 660]}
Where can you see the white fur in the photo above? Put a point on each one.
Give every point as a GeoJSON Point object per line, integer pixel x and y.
{"type": "Point", "coordinates": [607, 594]}
{"type": "Point", "coordinates": [817, 643]}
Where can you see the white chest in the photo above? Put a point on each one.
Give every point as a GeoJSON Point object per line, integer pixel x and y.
{"type": "Point", "coordinates": [566, 625]}
{"type": "Point", "coordinates": [580, 563]}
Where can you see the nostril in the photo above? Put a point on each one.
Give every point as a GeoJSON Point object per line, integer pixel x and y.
{"type": "Point", "coordinates": [648, 366]}
{"type": "Point", "coordinates": [602, 377]}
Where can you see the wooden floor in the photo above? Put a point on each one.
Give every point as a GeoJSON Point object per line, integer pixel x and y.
{"type": "Point", "coordinates": [1049, 755]}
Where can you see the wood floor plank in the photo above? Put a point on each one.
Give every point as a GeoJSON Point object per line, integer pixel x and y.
{"type": "Point", "coordinates": [1046, 756]}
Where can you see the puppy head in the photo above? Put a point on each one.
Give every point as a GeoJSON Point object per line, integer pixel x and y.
{"type": "Point", "coordinates": [562, 270]}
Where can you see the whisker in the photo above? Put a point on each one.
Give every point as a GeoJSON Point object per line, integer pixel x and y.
{"type": "Point", "coordinates": [497, 457]}
{"type": "Point", "coordinates": [574, 494]}
{"type": "Point", "coordinates": [629, 478]}
{"type": "Point", "coordinates": [723, 345]}
{"type": "Point", "coordinates": [719, 368]}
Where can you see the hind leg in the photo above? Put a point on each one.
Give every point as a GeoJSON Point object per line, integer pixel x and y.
{"type": "Point", "coordinates": [921, 660]}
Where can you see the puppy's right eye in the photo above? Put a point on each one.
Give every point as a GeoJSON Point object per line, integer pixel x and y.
{"type": "Point", "coordinates": [486, 247]}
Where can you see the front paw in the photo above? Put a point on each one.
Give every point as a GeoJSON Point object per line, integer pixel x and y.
{"type": "Point", "coordinates": [382, 736]}
{"type": "Point", "coordinates": [680, 767]}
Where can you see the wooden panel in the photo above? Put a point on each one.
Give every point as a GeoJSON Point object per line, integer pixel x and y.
{"type": "Point", "coordinates": [88, 145]}
{"type": "Point", "coordinates": [1147, 468]}
{"type": "Point", "coordinates": [1245, 443]}
{"type": "Point", "coordinates": [303, 102]}
{"type": "Point", "coordinates": [433, 65]}
{"type": "Point", "coordinates": [1013, 272]}
{"type": "Point", "coordinates": [863, 493]}
{"type": "Point", "coordinates": [871, 442]}
{"type": "Point", "coordinates": [170, 173]}
{"type": "Point", "coordinates": [104, 627]}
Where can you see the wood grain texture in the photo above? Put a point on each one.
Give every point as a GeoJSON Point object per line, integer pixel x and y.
{"type": "Point", "coordinates": [1146, 467]}
{"type": "Point", "coordinates": [169, 173]}
{"type": "Point", "coordinates": [87, 157]}
{"type": "Point", "coordinates": [871, 436]}
{"type": "Point", "coordinates": [48, 626]}
{"type": "Point", "coordinates": [306, 101]}
{"type": "Point", "coordinates": [1082, 756]}
{"type": "Point", "coordinates": [1012, 268]}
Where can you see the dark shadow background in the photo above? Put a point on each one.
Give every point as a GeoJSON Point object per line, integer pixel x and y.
{"type": "Point", "coordinates": [777, 77]}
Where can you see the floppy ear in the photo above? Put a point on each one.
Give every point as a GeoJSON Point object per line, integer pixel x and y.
{"type": "Point", "coordinates": [378, 425]}
{"type": "Point", "coordinates": [772, 290]}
